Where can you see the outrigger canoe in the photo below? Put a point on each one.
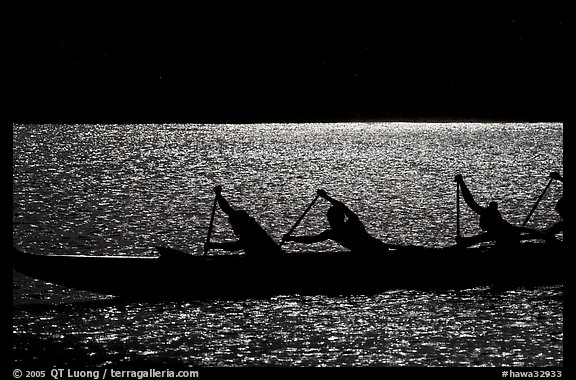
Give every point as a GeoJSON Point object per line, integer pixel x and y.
{"type": "Point", "coordinates": [175, 274]}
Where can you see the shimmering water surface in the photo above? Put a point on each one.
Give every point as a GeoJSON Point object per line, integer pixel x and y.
{"type": "Point", "coordinates": [122, 189]}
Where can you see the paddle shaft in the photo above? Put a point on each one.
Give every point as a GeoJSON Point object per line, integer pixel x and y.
{"type": "Point", "coordinates": [458, 209]}
{"type": "Point", "coordinates": [300, 218]}
{"type": "Point", "coordinates": [210, 225]}
{"type": "Point", "coordinates": [537, 202]}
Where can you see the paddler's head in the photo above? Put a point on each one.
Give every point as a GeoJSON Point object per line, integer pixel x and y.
{"type": "Point", "coordinates": [335, 216]}
{"type": "Point", "coordinates": [560, 207]}
{"type": "Point", "coordinates": [491, 218]}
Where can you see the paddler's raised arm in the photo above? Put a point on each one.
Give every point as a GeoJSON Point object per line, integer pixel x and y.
{"type": "Point", "coordinates": [224, 205]}
{"type": "Point", "coordinates": [468, 196]}
{"type": "Point", "coordinates": [349, 213]}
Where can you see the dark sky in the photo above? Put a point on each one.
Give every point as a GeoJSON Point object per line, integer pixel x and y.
{"type": "Point", "coordinates": [201, 66]}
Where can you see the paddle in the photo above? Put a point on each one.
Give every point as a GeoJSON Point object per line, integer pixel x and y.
{"type": "Point", "coordinates": [537, 201]}
{"type": "Point", "coordinates": [210, 225]}
{"type": "Point", "coordinates": [458, 210]}
{"type": "Point", "coordinates": [299, 219]}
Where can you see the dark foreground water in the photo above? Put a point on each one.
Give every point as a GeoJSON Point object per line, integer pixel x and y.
{"type": "Point", "coordinates": [122, 189]}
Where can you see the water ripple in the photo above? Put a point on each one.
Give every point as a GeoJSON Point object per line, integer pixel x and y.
{"type": "Point", "coordinates": [122, 189]}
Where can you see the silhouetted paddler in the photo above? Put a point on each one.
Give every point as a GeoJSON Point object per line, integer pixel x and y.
{"type": "Point", "coordinates": [491, 221]}
{"type": "Point", "coordinates": [345, 228]}
{"type": "Point", "coordinates": [560, 209]}
{"type": "Point", "coordinates": [252, 238]}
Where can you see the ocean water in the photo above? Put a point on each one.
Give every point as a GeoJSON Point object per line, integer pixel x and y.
{"type": "Point", "coordinates": [123, 189]}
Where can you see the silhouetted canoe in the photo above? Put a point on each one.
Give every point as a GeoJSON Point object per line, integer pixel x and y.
{"type": "Point", "coordinates": [175, 274]}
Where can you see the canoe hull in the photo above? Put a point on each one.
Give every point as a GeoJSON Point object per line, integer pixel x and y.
{"type": "Point", "coordinates": [174, 274]}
